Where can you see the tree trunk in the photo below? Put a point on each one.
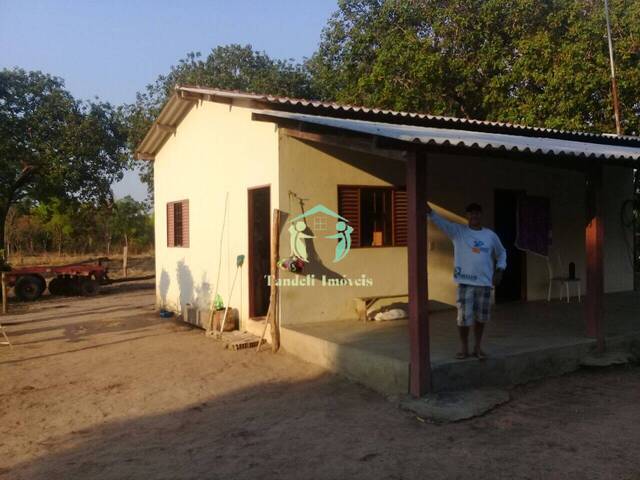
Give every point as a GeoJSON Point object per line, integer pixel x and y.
{"type": "Point", "coordinates": [125, 254]}
{"type": "Point", "coordinates": [23, 178]}
{"type": "Point", "coordinates": [107, 241]}
{"type": "Point", "coordinates": [60, 244]}
{"type": "Point", "coordinates": [3, 218]}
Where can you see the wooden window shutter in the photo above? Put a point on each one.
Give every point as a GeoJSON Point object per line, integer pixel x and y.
{"type": "Point", "coordinates": [170, 223]}
{"type": "Point", "coordinates": [349, 208]}
{"type": "Point", "coordinates": [185, 223]}
{"type": "Point", "coordinates": [400, 227]}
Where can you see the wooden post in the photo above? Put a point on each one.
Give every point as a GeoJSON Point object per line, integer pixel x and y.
{"type": "Point", "coordinates": [5, 300]}
{"type": "Point", "coordinates": [420, 366]}
{"type": "Point", "coordinates": [273, 299]}
{"type": "Point", "coordinates": [125, 257]}
{"type": "Point", "coordinates": [594, 239]}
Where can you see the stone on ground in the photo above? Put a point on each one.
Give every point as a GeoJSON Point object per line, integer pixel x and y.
{"type": "Point", "coordinates": [457, 405]}
{"type": "Point", "coordinates": [606, 359]}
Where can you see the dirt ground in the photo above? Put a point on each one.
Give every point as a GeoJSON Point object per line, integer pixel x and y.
{"type": "Point", "coordinates": [102, 388]}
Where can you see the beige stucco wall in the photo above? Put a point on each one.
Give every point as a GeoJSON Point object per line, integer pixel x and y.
{"type": "Point", "coordinates": [313, 172]}
{"type": "Point", "coordinates": [216, 149]}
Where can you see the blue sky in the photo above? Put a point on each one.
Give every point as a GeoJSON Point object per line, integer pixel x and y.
{"type": "Point", "coordinates": [112, 49]}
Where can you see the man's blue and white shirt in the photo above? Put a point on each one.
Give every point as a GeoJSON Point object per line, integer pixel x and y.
{"type": "Point", "coordinates": [477, 253]}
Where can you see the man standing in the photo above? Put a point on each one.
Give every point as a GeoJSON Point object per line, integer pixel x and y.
{"type": "Point", "coordinates": [479, 261]}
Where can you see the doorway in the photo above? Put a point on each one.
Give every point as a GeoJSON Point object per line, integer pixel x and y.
{"type": "Point", "coordinates": [259, 250]}
{"type": "Point", "coordinates": [514, 284]}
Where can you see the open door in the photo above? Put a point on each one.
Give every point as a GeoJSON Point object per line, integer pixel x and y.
{"type": "Point", "coordinates": [513, 286]}
{"type": "Point", "coordinates": [259, 250]}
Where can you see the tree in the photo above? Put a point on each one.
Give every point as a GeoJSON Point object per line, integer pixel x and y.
{"type": "Point", "coordinates": [53, 146]}
{"type": "Point", "coordinates": [72, 226]}
{"type": "Point", "coordinates": [541, 63]}
{"type": "Point", "coordinates": [56, 220]}
{"type": "Point", "coordinates": [233, 67]}
{"type": "Point", "coordinates": [130, 220]}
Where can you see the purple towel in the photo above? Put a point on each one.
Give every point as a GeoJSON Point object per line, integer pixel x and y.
{"type": "Point", "coordinates": [534, 225]}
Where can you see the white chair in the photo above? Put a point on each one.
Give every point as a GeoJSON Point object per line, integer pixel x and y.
{"type": "Point", "coordinates": [564, 282]}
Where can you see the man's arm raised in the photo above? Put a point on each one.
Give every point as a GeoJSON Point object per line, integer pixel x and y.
{"type": "Point", "coordinates": [450, 229]}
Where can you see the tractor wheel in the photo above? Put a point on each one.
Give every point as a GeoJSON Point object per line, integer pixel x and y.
{"type": "Point", "coordinates": [57, 286]}
{"type": "Point", "coordinates": [43, 283]}
{"type": "Point", "coordinates": [28, 288]}
{"type": "Point", "coordinates": [88, 287]}
{"type": "Point", "coordinates": [70, 286]}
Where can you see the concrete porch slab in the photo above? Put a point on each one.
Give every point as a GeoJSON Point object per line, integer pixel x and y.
{"type": "Point", "coordinates": [525, 341]}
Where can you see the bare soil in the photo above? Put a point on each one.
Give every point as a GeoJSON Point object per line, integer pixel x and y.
{"type": "Point", "coordinates": [102, 388]}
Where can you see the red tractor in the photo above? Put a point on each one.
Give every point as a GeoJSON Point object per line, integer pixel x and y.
{"type": "Point", "coordinates": [76, 279]}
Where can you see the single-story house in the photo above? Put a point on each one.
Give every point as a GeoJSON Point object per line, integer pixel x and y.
{"type": "Point", "coordinates": [351, 184]}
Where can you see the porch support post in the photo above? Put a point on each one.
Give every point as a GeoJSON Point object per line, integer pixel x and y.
{"type": "Point", "coordinates": [594, 238]}
{"type": "Point", "coordinates": [420, 366]}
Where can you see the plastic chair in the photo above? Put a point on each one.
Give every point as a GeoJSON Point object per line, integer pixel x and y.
{"type": "Point", "coordinates": [565, 282]}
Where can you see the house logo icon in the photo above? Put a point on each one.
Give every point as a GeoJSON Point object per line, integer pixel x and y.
{"type": "Point", "coordinates": [298, 237]}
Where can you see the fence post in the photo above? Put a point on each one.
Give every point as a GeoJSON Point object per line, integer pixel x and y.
{"type": "Point", "coordinates": [125, 261]}
{"type": "Point", "coordinates": [5, 300]}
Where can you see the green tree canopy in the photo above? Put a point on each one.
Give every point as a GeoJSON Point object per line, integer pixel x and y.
{"type": "Point", "coordinates": [542, 63]}
{"type": "Point", "coordinates": [71, 226]}
{"type": "Point", "coordinates": [130, 221]}
{"type": "Point", "coordinates": [233, 67]}
{"type": "Point", "coordinates": [53, 146]}
{"type": "Point", "coordinates": [56, 220]}
{"type": "Point", "coordinates": [535, 62]}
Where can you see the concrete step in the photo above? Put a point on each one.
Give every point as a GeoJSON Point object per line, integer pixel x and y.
{"type": "Point", "coordinates": [366, 362]}
{"type": "Point", "coordinates": [382, 373]}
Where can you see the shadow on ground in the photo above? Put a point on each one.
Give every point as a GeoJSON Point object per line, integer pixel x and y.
{"type": "Point", "coordinates": [132, 396]}
{"type": "Point", "coordinates": [327, 428]}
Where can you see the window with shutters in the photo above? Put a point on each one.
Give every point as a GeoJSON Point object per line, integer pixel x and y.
{"type": "Point", "coordinates": [378, 215]}
{"type": "Point", "coordinates": [178, 224]}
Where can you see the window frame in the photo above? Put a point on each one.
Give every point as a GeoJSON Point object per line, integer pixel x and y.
{"type": "Point", "coordinates": [172, 208]}
{"type": "Point", "coordinates": [394, 220]}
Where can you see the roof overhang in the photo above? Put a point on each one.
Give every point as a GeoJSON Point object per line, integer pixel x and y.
{"type": "Point", "coordinates": [411, 136]}
{"type": "Point", "coordinates": [397, 127]}
{"type": "Point", "coordinates": [165, 125]}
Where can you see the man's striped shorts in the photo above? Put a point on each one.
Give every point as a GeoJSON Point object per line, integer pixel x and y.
{"type": "Point", "coordinates": [474, 304]}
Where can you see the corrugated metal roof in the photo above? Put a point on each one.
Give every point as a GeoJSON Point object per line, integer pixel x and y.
{"type": "Point", "coordinates": [531, 138]}
{"type": "Point", "coordinates": [411, 117]}
{"type": "Point", "coordinates": [465, 138]}
{"type": "Point", "coordinates": [173, 112]}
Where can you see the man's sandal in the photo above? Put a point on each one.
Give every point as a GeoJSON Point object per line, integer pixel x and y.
{"type": "Point", "coordinates": [461, 355]}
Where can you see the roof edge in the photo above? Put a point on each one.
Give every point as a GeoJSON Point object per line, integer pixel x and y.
{"type": "Point", "coordinates": [165, 125]}
{"type": "Point", "coordinates": [354, 112]}
{"type": "Point", "coordinates": [186, 96]}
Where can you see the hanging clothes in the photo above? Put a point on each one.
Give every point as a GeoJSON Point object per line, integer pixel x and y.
{"type": "Point", "coordinates": [534, 225]}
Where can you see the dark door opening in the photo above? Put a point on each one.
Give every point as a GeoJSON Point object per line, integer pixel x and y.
{"type": "Point", "coordinates": [259, 249]}
{"type": "Point", "coordinates": [513, 286]}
